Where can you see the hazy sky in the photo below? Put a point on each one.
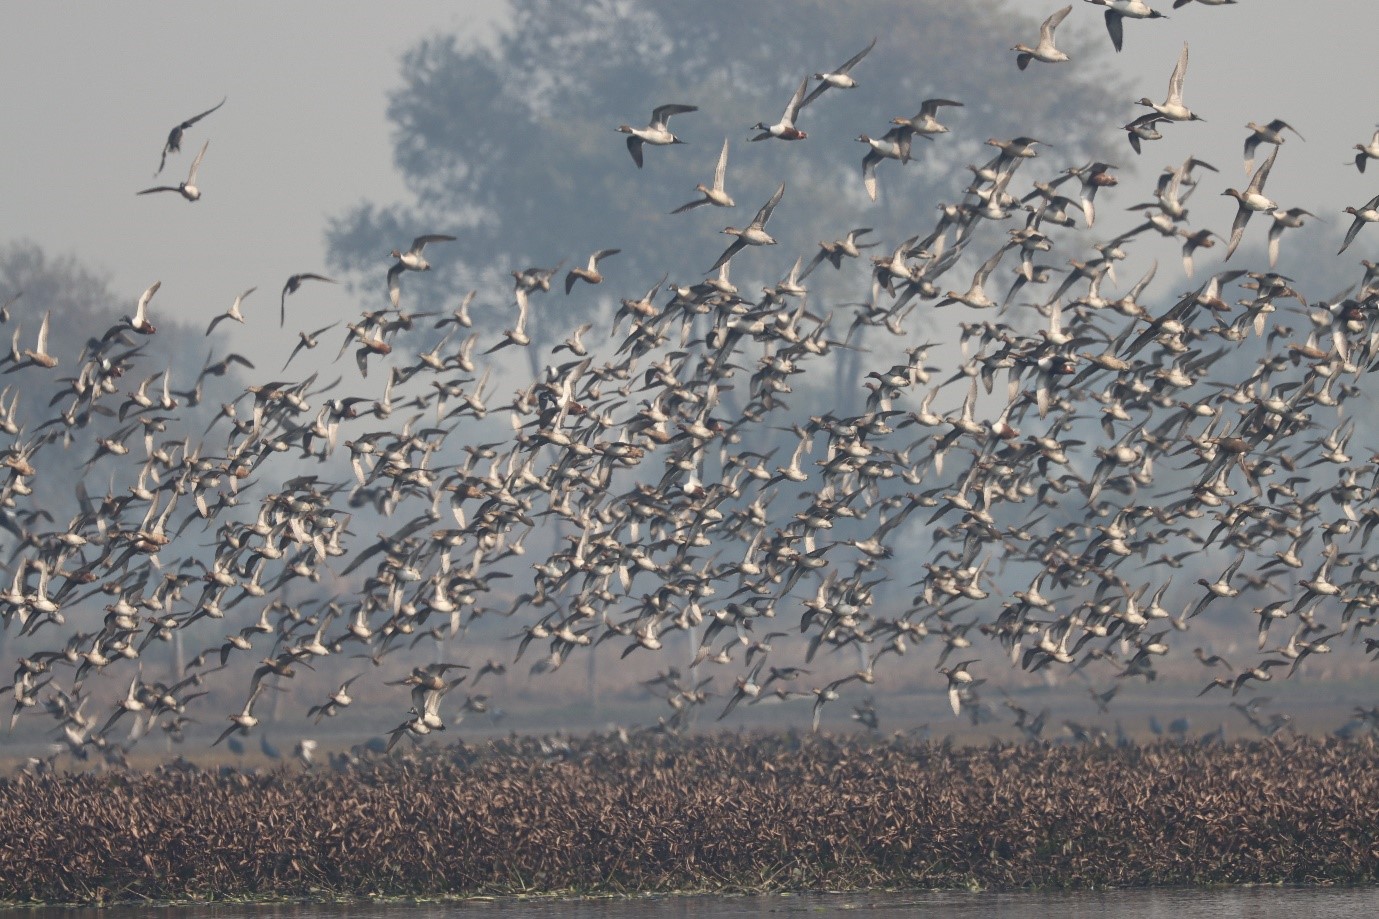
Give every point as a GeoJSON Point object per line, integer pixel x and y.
{"type": "Point", "coordinates": [92, 92]}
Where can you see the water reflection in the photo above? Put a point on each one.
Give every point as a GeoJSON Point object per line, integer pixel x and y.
{"type": "Point", "coordinates": [1239, 903]}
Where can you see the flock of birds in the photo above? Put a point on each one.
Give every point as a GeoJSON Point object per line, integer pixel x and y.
{"type": "Point", "coordinates": [644, 459]}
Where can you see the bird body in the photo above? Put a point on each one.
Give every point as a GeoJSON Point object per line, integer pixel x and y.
{"type": "Point", "coordinates": [657, 133]}
{"type": "Point", "coordinates": [174, 141]}
{"type": "Point", "coordinates": [715, 195]}
{"type": "Point", "coordinates": [754, 234]}
{"type": "Point", "coordinates": [840, 78]}
{"type": "Point", "coordinates": [187, 189]}
{"type": "Point", "coordinates": [1044, 50]}
{"type": "Point", "coordinates": [1172, 107]}
{"type": "Point", "coordinates": [785, 128]}
{"type": "Point", "coordinates": [1366, 213]}
{"type": "Point", "coordinates": [1250, 201]}
{"type": "Point", "coordinates": [1117, 11]}
{"type": "Point", "coordinates": [293, 284]}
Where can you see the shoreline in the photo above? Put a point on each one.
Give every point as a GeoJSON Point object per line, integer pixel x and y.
{"type": "Point", "coordinates": [715, 813]}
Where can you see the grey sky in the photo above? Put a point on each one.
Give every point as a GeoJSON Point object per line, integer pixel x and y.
{"type": "Point", "coordinates": [93, 92]}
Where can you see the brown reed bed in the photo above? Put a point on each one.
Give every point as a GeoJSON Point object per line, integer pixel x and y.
{"type": "Point", "coordinates": [710, 813]}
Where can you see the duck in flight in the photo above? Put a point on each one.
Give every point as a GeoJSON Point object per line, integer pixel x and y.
{"type": "Point", "coordinates": [1249, 201]}
{"type": "Point", "coordinates": [174, 141]}
{"type": "Point", "coordinates": [840, 78]}
{"type": "Point", "coordinates": [1045, 50]}
{"type": "Point", "coordinates": [657, 132]}
{"type": "Point", "coordinates": [1173, 108]}
{"type": "Point", "coordinates": [1117, 11]}
{"type": "Point", "coordinates": [188, 188]}
{"type": "Point", "coordinates": [590, 272]}
{"type": "Point", "coordinates": [411, 260]}
{"type": "Point", "coordinates": [785, 128]}
{"type": "Point", "coordinates": [293, 283]}
{"type": "Point", "coordinates": [1270, 133]}
{"type": "Point", "coordinates": [894, 145]}
{"type": "Point", "coordinates": [754, 234]}
{"type": "Point", "coordinates": [1368, 213]}
{"type": "Point", "coordinates": [716, 195]}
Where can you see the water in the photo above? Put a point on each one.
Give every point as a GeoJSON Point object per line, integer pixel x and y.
{"type": "Point", "coordinates": [1234, 903]}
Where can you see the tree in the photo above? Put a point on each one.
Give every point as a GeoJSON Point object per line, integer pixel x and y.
{"type": "Point", "coordinates": [512, 147]}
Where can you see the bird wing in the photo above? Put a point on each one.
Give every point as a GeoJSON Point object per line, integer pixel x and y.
{"type": "Point", "coordinates": [1115, 26]}
{"type": "Point", "coordinates": [929, 107]}
{"type": "Point", "coordinates": [721, 170]}
{"type": "Point", "coordinates": [420, 242]}
{"type": "Point", "coordinates": [661, 114]}
{"type": "Point", "coordinates": [395, 283]}
{"type": "Point", "coordinates": [1262, 176]}
{"type": "Point", "coordinates": [1350, 233]}
{"type": "Point", "coordinates": [42, 346]}
{"type": "Point", "coordinates": [141, 311]}
{"type": "Point", "coordinates": [979, 279]}
{"type": "Point", "coordinates": [1278, 124]}
{"type": "Point", "coordinates": [1175, 81]}
{"type": "Point", "coordinates": [234, 307]}
{"type": "Point", "coordinates": [1275, 232]}
{"type": "Point", "coordinates": [196, 164]}
{"type": "Point", "coordinates": [1046, 30]}
{"type": "Point", "coordinates": [728, 253]}
{"type": "Point", "coordinates": [1242, 217]}
{"type": "Point", "coordinates": [1251, 143]}
{"type": "Point", "coordinates": [194, 119]}
{"type": "Point", "coordinates": [869, 173]}
{"type": "Point", "coordinates": [764, 214]}
{"type": "Point", "coordinates": [792, 109]}
{"type": "Point", "coordinates": [852, 61]}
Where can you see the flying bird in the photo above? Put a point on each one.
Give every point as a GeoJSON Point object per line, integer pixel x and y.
{"type": "Point", "coordinates": [411, 260]}
{"type": "Point", "coordinates": [1368, 213]}
{"type": "Point", "coordinates": [1369, 151]}
{"type": "Point", "coordinates": [1251, 200]}
{"type": "Point", "coordinates": [293, 283]}
{"type": "Point", "coordinates": [589, 272]}
{"type": "Point", "coordinates": [754, 234]}
{"type": "Point", "coordinates": [926, 121]}
{"type": "Point", "coordinates": [1290, 219]}
{"type": "Point", "coordinates": [785, 128]}
{"type": "Point", "coordinates": [174, 141]}
{"type": "Point", "coordinates": [1173, 108]}
{"type": "Point", "coordinates": [308, 340]}
{"type": "Point", "coordinates": [188, 188]}
{"type": "Point", "coordinates": [1045, 50]}
{"type": "Point", "coordinates": [840, 78]}
{"type": "Point", "coordinates": [139, 322]}
{"type": "Point", "coordinates": [1271, 133]}
{"type": "Point", "coordinates": [232, 313]}
{"type": "Point", "coordinates": [657, 132]}
{"type": "Point", "coordinates": [893, 145]}
{"type": "Point", "coordinates": [716, 195]}
{"type": "Point", "coordinates": [1117, 11]}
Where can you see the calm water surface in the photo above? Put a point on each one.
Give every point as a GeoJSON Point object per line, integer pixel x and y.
{"type": "Point", "coordinates": [1249, 903]}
